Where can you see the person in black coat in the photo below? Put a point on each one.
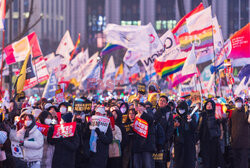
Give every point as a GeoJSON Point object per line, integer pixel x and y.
{"type": "Point", "coordinates": [65, 148]}
{"type": "Point", "coordinates": [99, 158]}
{"type": "Point", "coordinates": [184, 137]}
{"type": "Point", "coordinates": [240, 134]}
{"type": "Point", "coordinates": [144, 147]}
{"type": "Point", "coordinates": [209, 134]}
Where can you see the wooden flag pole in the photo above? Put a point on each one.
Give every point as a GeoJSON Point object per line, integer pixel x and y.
{"type": "Point", "coordinates": [2, 61]}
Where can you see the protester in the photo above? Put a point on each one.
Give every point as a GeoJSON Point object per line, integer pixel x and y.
{"type": "Point", "coordinates": [99, 158]}
{"type": "Point", "coordinates": [127, 159]}
{"type": "Point", "coordinates": [65, 147]}
{"type": "Point", "coordinates": [209, 134]}
{"type": "Point", "coordinates": [240, 135]}
{"type": "Point", "coordinates": [31, 141]}
{"type": "Point", "coordinates": [184, 137]}
{"type": "Point", "coordinates": [144, 147]}
{"type": "Point", "coordinates": [48, 150]}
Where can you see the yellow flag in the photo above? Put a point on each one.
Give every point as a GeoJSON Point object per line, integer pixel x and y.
{"type": "Point", "coordinates": [22, 75]}
{"type": "Point", "coordinates": [120, 71]}
{"type": "Point", "coordinates": [74, 82]}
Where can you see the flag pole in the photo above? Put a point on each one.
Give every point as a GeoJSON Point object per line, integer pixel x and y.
{"type": "Point", "coordinates": [36, 72]}
{"type": "Point", "coordinates": [214, 61]}
{"type": "Point", "coordinates": [2, 61]}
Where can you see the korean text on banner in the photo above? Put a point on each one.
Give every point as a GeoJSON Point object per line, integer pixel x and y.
{"type": "Point", "coordinates": [59, 96]}
{"type": "Point", "coordinates": [99, 122]}
{"type": "Point", "coordinates": [141, 127]}
{"type": "Point", "coordinates": [64, 130]}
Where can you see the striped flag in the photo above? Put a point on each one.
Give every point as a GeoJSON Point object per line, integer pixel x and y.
{"type": "Point", "coordinates": [110, 48]}
{"type": "Point", "coordinates": [76, 49]}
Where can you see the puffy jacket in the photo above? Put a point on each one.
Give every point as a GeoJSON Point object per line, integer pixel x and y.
{"type": "Point", "coordinates": [33, 144]}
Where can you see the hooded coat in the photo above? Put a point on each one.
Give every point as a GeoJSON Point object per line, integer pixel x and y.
{"type": "Point", "coordinates": [184, 139]}
{"type": "Point", "coordinates": [209, 133]}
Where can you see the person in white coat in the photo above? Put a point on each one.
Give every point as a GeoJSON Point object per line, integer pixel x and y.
{"type": "Point", "coordinates": [30, 140]}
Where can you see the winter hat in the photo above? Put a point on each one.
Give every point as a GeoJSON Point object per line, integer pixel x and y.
{"type": "Point", "coordinates": [239, 99]}
{"type": "Point", "coordinates": [100, 110]}
{"type": "Point", "coordinates": [36, 112]}
{"type": "Point", "coordinates": [64, 103]}
{"type": "Point", "coordinates": [47, 106]}
{"type": "Point", "coordinates": [27, 110]}
{"type": "Point", "coordinates": [67, 118]}
{"type": "Point", "coordinates": [3, 137]}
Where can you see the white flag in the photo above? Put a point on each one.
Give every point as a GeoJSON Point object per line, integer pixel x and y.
{"type": "Point", "coordinates": [135, 38]}
{"type": "Point", "coordinates": [200, 20]}
{"type": "Point", "coordinates": [217, 35]}
{"type": "Point", "coordinates": [86, 69]}
{"type": "Point", "coordinates": [66, 45]}
{"type": "Point", "coordinates": [110, 70]}
{"type": "Point", "coordinates": [211, 82]}
{"type": "Point", "coordinates": [190, 64]}
{"type": "Point", "coordinates": [241, 86]}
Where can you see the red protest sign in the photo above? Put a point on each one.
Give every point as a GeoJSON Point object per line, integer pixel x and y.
{"type": "Point", "coordinates": [218, 111]}
{"type": "Point", "coordinates": [59, 96]}
{"type": "Point", "coordinates": [43, 128]}
{"type": "Point", "coordinates": [141, 127]}
{"type": "Point", "coordinates": [64, 130]}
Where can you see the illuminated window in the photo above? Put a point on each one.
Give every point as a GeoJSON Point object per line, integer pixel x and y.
{"type": "Point", "coordinates": [165, 16]}
{"type": "Point", "coordinates": [130, 12]}
{"type": "Point", "coordinates": [96, 23]}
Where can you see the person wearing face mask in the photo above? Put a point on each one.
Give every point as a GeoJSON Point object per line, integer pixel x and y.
{"type": "Point", "coordinates": [240, 136]}
{"type": "Point", "coordinates": [13, 111]}
{"type": "Point", "coordinates": [144, 147]}
{"type": "Point", "coordinates": [48, 150]}
{"type": "Point", "coordinates": [209, 135]}
{"type": "Point", "coordinates": [31, 141]}
{"type": "Point", "coordinates": [124, 108]}
{"type": "Point", "coordinates": [65, 148]}
{"type": "Point", "coordinates": [184, 137]}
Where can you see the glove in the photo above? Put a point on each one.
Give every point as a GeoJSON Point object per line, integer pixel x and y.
{"type": "Point", "coordinates": [97, 130]}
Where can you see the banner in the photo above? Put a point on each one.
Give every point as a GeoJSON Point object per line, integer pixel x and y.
{"type": "Point", "coordinates": [2, 13]}
{"type": "Point", "coordinates": [82, 106]}
{"type": "Point", "coordinates": [141, 127]}
{"type": "Point", "coordinates": [64, 130]}
{"type": "Point", "coordinates": [59, 96]}
{"type": "Point", "coordinates": [17, 51]}
{"type": "Point", "coordinates": [41, 74]}
{"type": "Point", "coordinates": [43, 128]}
{"type": "Point", "coordinates": [16, 150]}
{"type": "Point", "coordinates": [218, 111]}
{"type": "Point", "coordinates": [141, 88]}
{"type": "Point", "coordinates": [239, 43]}
{"type": "Point", "coordinates": [99, 122]}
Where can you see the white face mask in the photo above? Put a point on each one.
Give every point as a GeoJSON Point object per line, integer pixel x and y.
{"type": "Point", "coordinates": [182, 111]}
{"type": "Point", "coordinates": [123, 109]}
{"type": "Point", "coordinates": [47, 121]}
{"type": "Point", "coordinates": [27, 123]}
{"type": "Point", "coordinates": [238, 105]}
{"type": "Point", "coordinates": [63, 110]}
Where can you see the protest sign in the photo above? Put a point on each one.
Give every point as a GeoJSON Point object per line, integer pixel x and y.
{"type": "Point", "coordinates": [43, 128]}
{"type": "Point", "coordinates": [99, 122]}
{"type": "Point", "coordinates": [141, 127]}
{"type": "Point", "coordinates": [64, 130]}
{"type": "Point", "coordinates": [59, 96]}
{"type": "Point", "coordinates": [16, 150]}
{"type": "Point", "coordinates": [195, 97]}
{"type": "Point", "coordinates": [141, 88]}
{"type": "Point", "coordinates": [82, 106]}
{"type": "Point", "coordinates": [218, 111]}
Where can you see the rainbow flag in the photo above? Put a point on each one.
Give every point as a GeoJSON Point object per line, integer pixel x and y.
{"type": "Point", "coordinates": [109, 48]}
{"type": "Point", "coordinates": [202, 39]}
{"type": "Point", "coordinates": [168, 67]}
{"type": "Point", "coordinates": [2, 13]}
{"type": "Point", "coordinates": [181, 27]}
{"type": "Point", "coordinates": [76, 49]}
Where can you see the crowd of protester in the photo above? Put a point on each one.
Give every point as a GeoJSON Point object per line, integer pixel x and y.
{"type": "Point", "coordinates": [180, 134]}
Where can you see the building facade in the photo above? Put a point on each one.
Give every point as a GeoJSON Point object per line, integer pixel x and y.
{"type": "Point", "coordinates": [90, 17]}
